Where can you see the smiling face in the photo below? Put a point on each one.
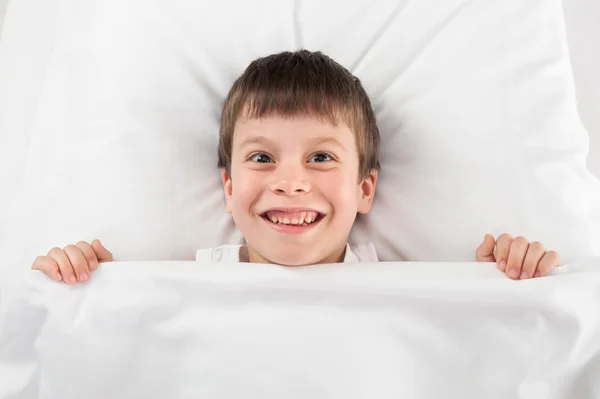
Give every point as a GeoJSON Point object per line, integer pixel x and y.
{"type": "Point", "coordinates": [294, 188]}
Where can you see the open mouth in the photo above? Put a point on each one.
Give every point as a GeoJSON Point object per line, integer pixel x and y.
{"type": "Point", "coordinates": [292, 218]}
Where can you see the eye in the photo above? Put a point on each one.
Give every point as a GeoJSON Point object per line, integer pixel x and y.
{"type": "Point", "coordinates": [321, 157]}
{"type": "Point", "coordinates": [261, 158]}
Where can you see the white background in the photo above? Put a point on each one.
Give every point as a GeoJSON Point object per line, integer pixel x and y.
{"type": "Point", "coordinates": [583, 33]}
{"type": "Point", "coordinates": [2, 11]}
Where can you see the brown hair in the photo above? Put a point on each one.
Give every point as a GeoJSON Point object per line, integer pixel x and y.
{"type": "Point", "coordinates": [301, 83]}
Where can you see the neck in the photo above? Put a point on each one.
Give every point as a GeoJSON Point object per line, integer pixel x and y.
{"type": "Point", "coordinates": [255, 257]}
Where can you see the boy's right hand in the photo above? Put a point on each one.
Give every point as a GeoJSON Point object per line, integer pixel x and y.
{"type": "Point", "coordinates": [74, 262]}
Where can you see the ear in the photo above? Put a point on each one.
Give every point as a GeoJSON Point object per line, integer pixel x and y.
{"type": "Point", "coordinates": [366, 191]}
{"type": "Point", "coordinates": [227, 188]}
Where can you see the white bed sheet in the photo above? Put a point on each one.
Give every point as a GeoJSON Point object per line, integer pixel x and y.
{"type": "Point", "coordinates": [387, 330]}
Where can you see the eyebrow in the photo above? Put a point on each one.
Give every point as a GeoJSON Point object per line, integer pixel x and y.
{"type": "Point", "coordinates": [265, 141]}
{"type": "Point", "coordinates": [256, 140]}
{"type": "Point", "coordinates": [322, 140]}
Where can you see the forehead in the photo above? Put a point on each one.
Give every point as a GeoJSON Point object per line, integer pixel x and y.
{"type": "Point", "coordinates": [290, 130]}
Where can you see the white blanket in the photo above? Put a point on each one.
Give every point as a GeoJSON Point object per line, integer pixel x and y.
{"type": "Point", "coordinates": [377, 331]}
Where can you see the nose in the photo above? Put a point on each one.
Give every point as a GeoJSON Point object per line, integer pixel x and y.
{"type": "Point", "coordinates": [290, 181]}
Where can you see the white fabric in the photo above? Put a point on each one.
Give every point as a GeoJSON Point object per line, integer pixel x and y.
{"type": "Point", "coordinates": [365, 330]}
{"type": "Point", "coordinates": [355, 253]}
{"type": "Point", "coordinates": [109, 115]}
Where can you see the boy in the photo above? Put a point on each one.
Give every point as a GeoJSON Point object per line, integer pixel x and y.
{"type": "Point", "coordinates": [298, 153]}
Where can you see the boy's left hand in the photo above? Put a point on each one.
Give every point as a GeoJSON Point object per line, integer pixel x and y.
{"type": "Point", "coordinates": [517, 257]}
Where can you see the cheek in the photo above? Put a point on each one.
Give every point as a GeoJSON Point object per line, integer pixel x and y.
{"type": "Point", "coordinates": [246, 188]}
{"type": "Point", "coordinates": [339, 186]}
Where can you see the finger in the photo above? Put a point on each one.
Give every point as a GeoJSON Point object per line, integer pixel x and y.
{"type": "Point", "coordinates": [549, 260]}
{"type": "Point", "coordinates": [48, 266]}
{"type": "Point", "coordinates": [502, 249]}
{"type": "Point", "coordinates": [64, 264]}
{"type": "Point", "coordinates": [103, 254]}
{"type": "Point", "coordinates": [485, 252]}
{"type": "Point", "coordinates": [516, 256]}
{"type": "Point", "coordinates": [89, 254]}
{"type": "Point", "coordinates": [535, 252]}
{"type": "Point", "coordinates": [79, 262]}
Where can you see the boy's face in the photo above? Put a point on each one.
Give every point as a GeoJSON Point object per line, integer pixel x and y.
{"type": "Point", "coordinates": [294, 188]}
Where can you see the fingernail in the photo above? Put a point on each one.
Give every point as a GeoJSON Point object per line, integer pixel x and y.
{"type": "Point", "coordinates": [523, 276]}
{"type": "Point", "coordinates": [512, 273]}
{"type": "Point", "coordinates": [72, 279]}
{"type": "Point", "coordinates": [83, 277]}
{"type": "Point", "coordinates": [537, 274]}
{"type": "Point", "coordinates": [57, 277]}
{"type": "Point", "coordinates": [502, 265]}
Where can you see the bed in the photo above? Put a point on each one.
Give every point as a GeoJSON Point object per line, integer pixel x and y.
{"type": "Point", "coordinates": [108, 119]}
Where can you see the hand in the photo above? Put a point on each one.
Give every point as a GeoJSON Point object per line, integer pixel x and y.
{"type": "Point", "coordinates": [74, 262]}
{"type": "Point", "coordinates": [519, 258]}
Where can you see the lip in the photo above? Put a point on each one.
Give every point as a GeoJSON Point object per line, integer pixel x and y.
{"type": "Point", "coordinates": [289, 228]}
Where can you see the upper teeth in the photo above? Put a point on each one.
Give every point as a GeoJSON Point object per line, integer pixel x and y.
{"type": "Point", "coordinates": [296, 218]}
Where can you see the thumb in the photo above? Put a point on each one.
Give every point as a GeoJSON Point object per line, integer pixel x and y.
{"type": "Point", "coordinates": [485, 252]}
{"type": "Point", "coordinates": [103, 254]}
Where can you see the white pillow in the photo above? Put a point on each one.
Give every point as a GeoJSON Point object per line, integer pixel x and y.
{"type": "Point", "coordinates": [475, 102]}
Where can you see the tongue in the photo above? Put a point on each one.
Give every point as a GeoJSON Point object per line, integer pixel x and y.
{"type": "Point", "coordinates": [293, 215]}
